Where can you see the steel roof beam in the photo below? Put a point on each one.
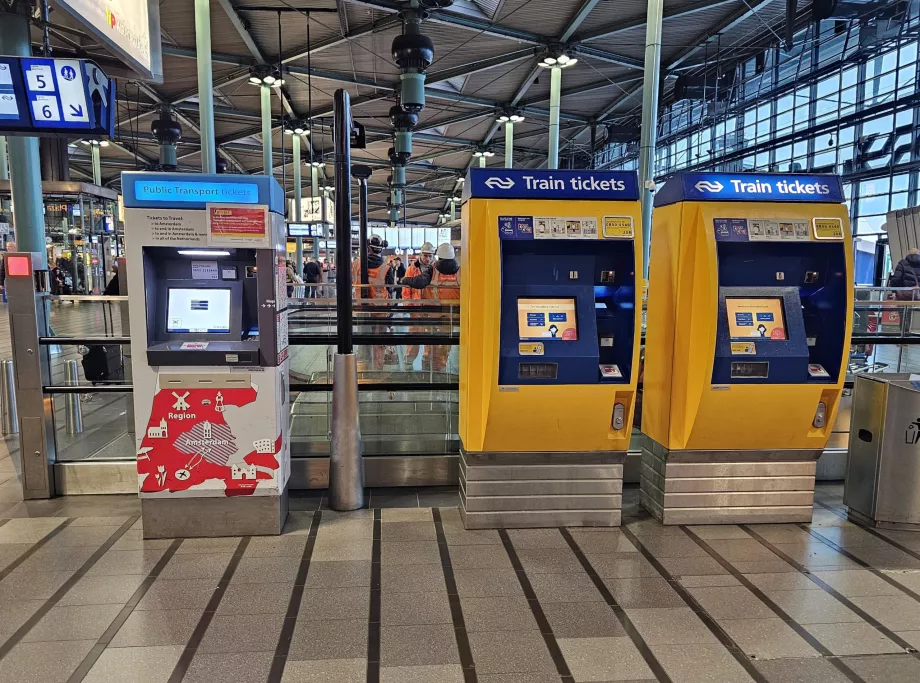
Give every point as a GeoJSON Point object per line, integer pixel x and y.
{"type": "Point", "coordinates": [635, 22]}
{"type": "Point", "coordinates": [577, 19]}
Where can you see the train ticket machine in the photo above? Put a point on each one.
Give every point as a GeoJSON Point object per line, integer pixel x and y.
{"type": "Point", "coordinates": [207, 286]}
{"type": "Point", "coordinates": [750, 310]}
{"type": "Point", "coordinates": [550, 311]}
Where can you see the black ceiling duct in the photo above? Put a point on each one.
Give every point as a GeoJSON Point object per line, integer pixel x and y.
{"type": "Point", "coordinates": [857, 9]}
{"type": "Point", "coordinates": [622, 133]}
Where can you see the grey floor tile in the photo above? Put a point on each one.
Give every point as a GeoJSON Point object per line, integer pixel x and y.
{"type": "Point", "coordinates": [73, 623]}
{"type": "Point", "coordinates": [621, 565]}
{"type": "Point", "coordinates": [692, 566]}
{"type": "Point", "coordinates": [342, 574]}
{"type": "Point", "coordinates": [776, 566]}
{"type": "Point", "coordinates": [719, 532]}
{"type": "Point", "coordinates": [893, 669]}
{"type": "Point", "coordinates": [322, 604]}
{"type": "Point", "coordinates": [851, 537]}
{"type": "Point", "coordinates": [607, 541]}
{"type": "Point", "coordinates": [741, 550]}
{"type": "Point", "coordinates": [816, 555]}
{"type": "Point", "coordinates": [421, 514]}
{"type": "Point", "coordinates": [409, 609]}
{"type": "Point", "coordinates": [393, 498]}
{"type": "Point", "coordinates": [238, 667]}
{"type": "Point", "coordinates": [208, 546]}
{"type": "Point", "coordinates": [700, 664]}
{"type": "Point", "coordinates": [332, 549]}
{"type": "Point", "coordinates": [800, 671]}
{"type": "Point", "coordinates": [714, 580]}
{"type": "Point", "coordinates": [266, 570]}
{"type": "Point", "coordinates": [480, 583]}
{"type": "Point", "coordinates": [28, 530]}
{"type": "Point", "coordinates": [673, 546]}
{"type": "Point", "coordinates": [537, 539]}
{"type": "Point", "coordinates": [276, 546]}
{"type": "Point", "coordinates": [519, 678]}
{"type": "Point", "coordinates": [134, 540]}
{"type": "Point", "coordinates": [852, 639]}
{"type": "Point", "coordinates": [564, 588]}
{"type": "Point", "coordinates": [911, 637]}
{"type": "Point", "coordinates": [256, 598]}
{"type": "Point", "coordinates": [73, 535]}
{"type": "Point", "coordinates": [344, 639]}
{"type": "Point", "coordinates": [108, 520]}
{"type": "Point", "coordinates": [643, 593]}
{"type": "Point", "coordinates": [512, 652]}
{"type": "Point", "coordinates": [886, 558]}
{"type": "Point", "coordinates": [549, 561]}
{"type": "Point", "coordinates": [444, 673]}
{"type": "Point", "coordinates": [408, 531]}
{"type": "Point", "coordinates": [103, 590]}
{"type": "Point", "coordinates": [497, 614]}
{"type": "Point", "coordinates": [178, 594]}
{"type": "Point", "coordinates": [857, 583]}
{"type": "Point", "coordinates": [414, 645]}
{"type": "Point", "coordinates": [14, 613]}
{"type": "Point", "coordinates": [767, 638]}
{"type": "Point", "coordinates": [897, 612]}
{"type": "Point", "coordinates": [670, 626]}
{"type": "Point", "coordinates": [479, 557]}
{"type": "Point", "coordinates": [401, 579]}
{"type": "Point", "coordinates": [157, 627]}
{"type": "Point", "coordinates": [135, 664]}
{"type": "Point", "coordinates": [582, 620]}
{"type": "Point", "coordinates": [33, 585]}
{"type": "Point", "coordinates": [604, 659]}
{"type": "Point", "coordinates": [731, 602]}
{"type": "Point", "coordinates": [298, 523]}
{"type": "Point", "coordinates": [439, 496]}
{"type": "Point", "coordinates": [196, 566]}
{"type": "Point", "coordinates": [814, 607]}
{"type": "Point", "coordinates": [460, 536]}
{"type": "Point", "coordinates": [409, 553]}
{"type": "Point", "coordinates": [116, 562]}
{"type": "Point", "coordinates": [326, 671]}
{"type": "Point", "coordinates": [43, 662]}
{"type": "Point", "coordinates": [242, 633]}
{"type": "Point", "coordinates": [782, 581]}
{"type": "Point", "coordinates": [56, 559]}
{"type": "Point", "coordinates": [9, 552]}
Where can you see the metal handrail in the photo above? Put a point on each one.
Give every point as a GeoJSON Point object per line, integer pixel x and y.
{"type": "Point", "coordinates": [85, 297]}
{"type": "Point", "coordinates": [73, 341]}
{"type": "Point", "coordinates": [88, 389]}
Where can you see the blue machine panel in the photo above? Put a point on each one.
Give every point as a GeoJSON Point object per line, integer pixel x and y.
{"type": "Point", "coordinates": [187, 191]}
{"type": "Point", "coordinates": [750, 187]}
{"type": "Point", "coordinates": [508, 183]}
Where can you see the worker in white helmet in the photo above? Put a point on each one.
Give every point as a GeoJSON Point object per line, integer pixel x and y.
{"type": "Point", "coordinates": [375, 289]}
{"type": "Point", "coordinates": [442, 283]}
{"type": "Point", "coordinates": [424, 260]}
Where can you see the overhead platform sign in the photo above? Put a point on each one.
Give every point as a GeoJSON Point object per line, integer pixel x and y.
{"type": "Point", "coordinates": [51, 97]}
{"type": "Point", "coordinates": [751, 187]}
{"type": "Point", "coordinates": [508, 183]}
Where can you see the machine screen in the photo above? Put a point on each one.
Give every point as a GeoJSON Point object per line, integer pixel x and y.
{"type": "Point", "coordinates": [758, 318]}
{"type": "Point", "coordinates": [204, 311]}
{"type": "Point", "coordinates": [540, 319]}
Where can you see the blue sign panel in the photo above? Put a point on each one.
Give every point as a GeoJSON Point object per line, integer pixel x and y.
{"type": "Point", "coordinates": [515, 183]}
{"type": "Point", "coordinates": [751, 187]}
{"type": "Point", "coordinates": [188, 191]}
{"type": "Point", "coordinates": [515, 227]}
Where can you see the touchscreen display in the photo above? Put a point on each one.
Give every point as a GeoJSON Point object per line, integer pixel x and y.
{"type": "Point", "coordinates": [540, 319]}
{"type": "Point", "coordinates": [203, 311]}
{"type": "Point", "coordinates": [760, 318]}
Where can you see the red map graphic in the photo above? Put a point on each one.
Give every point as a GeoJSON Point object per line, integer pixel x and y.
{"type": "Point", "coordinates": [188, 442]}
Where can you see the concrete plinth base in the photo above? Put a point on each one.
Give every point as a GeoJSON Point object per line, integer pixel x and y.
{"type": "Point", "coordinates": [728, 487]}
{"type": "Point", "coordinates": [532, 490]}
{"type": "Point", "coordinates": [212, 517]}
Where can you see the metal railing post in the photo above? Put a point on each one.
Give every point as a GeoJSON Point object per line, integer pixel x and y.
{"type": "Point", "coordinates": [73, 413]}
{"type": "Point", "coordinates": [346, 466]}
{"type": "Point", "coordinates": [8, 412]}
{"type": "Point", "coordinates": [126, 331]}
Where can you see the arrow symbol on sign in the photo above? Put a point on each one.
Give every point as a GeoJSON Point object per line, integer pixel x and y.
{"type": "Point", "coordinates": [76, 110]}
{"type": "Point", "coordinates": [706, 186]}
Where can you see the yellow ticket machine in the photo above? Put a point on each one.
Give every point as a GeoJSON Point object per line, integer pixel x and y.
{"type": "Point", "coordinates": [549, 345]}
{"type": "Point", "coordinates": [748, 329]}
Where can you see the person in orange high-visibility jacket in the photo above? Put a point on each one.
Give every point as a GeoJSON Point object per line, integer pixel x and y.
{"type": "Point", "coordinates": [425, 259]}
{"type": "Point", "coordinates": [441, 282]}
{"type": "Point", "coordinates": [376, 278]}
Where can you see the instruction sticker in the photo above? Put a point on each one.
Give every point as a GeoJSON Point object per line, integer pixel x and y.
{"type": "Point", "coordinates": [828, 228]}
{"type": "Point", "coordinates": [744, 348]}
{"type": "Point", "coordinates": [530, 348]}
{"type": "Point", "coordinates": [618, 226]}
{"type": "Point", "coordinates": [761, 230]}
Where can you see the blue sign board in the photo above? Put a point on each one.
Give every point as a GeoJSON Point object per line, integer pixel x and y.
{"type": "Point", "coordinates": [750, 187]}
{"type": "Point", "coordinates": [515, 183]}
{"type": "Point", "coordinates": [48, 97]}
{"type": "Point", "coordinates": [195, 191]}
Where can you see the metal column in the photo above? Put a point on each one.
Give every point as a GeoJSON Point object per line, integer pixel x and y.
{"type": "Point", "coordinates": [298, 198]}
{"type": "Point", "coordinates": [314, 188]}
{"type": "Point", "coordinates": [97, 163]}
{"type": "Point", "coordinates": [509, 144]}
{"type": "Point", "coordinates": [265, 91]}
{"type": "Point", "coordinates": [28, 314]}
{"type": "Point", "coordinates": [362, 173]}
{"type": "Point", "coordinates": [24, 158]}
{"type": "Point", "coordinates": [453, 208]}
{"type": "Point", "coordinates": [346, 467]}
{"type": "Point", "coordinates": [205, 86]}
{"type": "Point", "coordinates": [555, 96]}
{"type": "Point", "coordinates": [482, 161]}
{"type": "Point", "coordinates": [4, 175]}
{"type": "Point", "coordinates": [650, 121]}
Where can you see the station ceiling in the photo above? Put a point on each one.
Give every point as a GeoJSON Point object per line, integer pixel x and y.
{"type": "Point", "coordinates": [486, 55]}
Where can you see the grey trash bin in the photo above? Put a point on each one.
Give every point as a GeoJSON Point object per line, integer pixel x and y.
{"type": "Point", "coordinates": [883, 468]}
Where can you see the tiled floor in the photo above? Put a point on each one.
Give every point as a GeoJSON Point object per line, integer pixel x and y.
{"type": "Point", "coordinates": [403, 594]}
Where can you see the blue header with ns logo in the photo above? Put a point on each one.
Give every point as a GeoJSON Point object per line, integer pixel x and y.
{"type": "Point", "coordinates": [521, 183]}
{"type": "Point", "coordinates": [196, 190]}
{"type": "Point", "coordinates": [750, 187]}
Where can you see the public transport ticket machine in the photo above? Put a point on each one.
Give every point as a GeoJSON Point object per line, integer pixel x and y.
{"type": "Point", "coordinates": [208, 296]}
{"type": "Point", "coordinates": [549, 342]}
{"type": "Point", "coordinates": [750, 309]}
